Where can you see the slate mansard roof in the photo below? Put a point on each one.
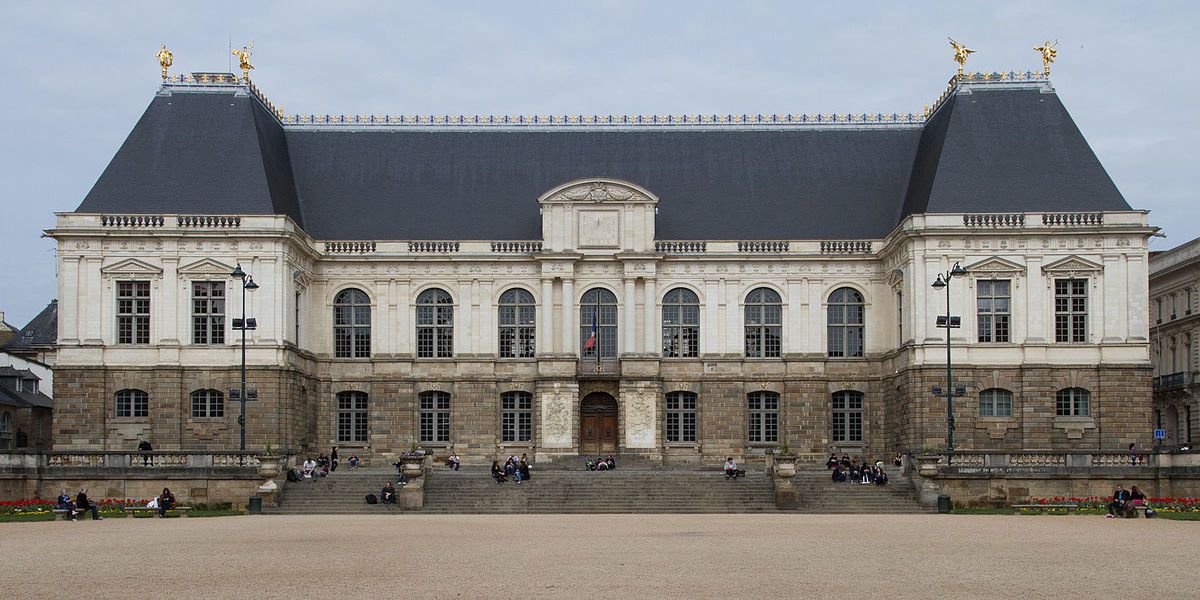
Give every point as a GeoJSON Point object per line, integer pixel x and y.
{"type": "Point", "coordinates": [989, 147]}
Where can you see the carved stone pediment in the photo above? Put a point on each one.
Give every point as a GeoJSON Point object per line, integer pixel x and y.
{"type": "Point", "coordinates": [995, 266]}
{"type": "Point", "coordinates": [132, 267]}
{"type": "Point", "coordinates": [1071, 266]}
{"type": "Point", "coordinates": [598, 190]}
{"type": "Point", "coordinates": [207, 266]}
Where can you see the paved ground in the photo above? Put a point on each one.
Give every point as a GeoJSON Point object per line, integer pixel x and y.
{"type": "Point", "coordinates": [604, 556]}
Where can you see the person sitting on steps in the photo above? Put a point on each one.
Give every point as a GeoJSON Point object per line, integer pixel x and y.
{"type": "Point", "coordinates": [453, 462]}
{"type": "Point", "coordinates": [881, 477]}
{"type": "Point", "coordinates": [352, 462]}
{"type": "Point", "coordinates": [388, 494]}
{"type": "Point", "coordinates": [731, 470]}
{"type": "Point", "coordinates": [838, 474]}
{"type": "Point", "coordinates": [832, 462]}
{"type": "Point", "coordinates": [864, 473]}
{"type": "Point", "coordinates": [612, 464]}
{"type": "Point", "coordinates": [523, 468]}
{"type": "Point", "coordinates": [497, 472]}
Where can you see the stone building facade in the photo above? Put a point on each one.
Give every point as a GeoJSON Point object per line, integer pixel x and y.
{"type": "Point", "coordinates": [1175, 325]}
{"type": "Point", "coordinates": [680, 288]}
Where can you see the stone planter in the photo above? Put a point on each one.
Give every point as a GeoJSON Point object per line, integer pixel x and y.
{"type": "Point", "coordinates": [785, 466]}
{"type": "Point", "coordinates": [927, 464]}
{"type": "Point", "coordinates": [269, 469]}
{"type": "Point", "coordinates": [413, 465]}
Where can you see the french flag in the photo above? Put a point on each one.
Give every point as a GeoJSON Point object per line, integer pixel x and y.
{"type": "Point", "coordinates": [590, 344]}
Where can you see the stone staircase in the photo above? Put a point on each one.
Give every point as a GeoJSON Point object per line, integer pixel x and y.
{"type": "Point", "coordinates": [624, 490]}
{"type": "Point", "coordinates": [819, 494]}
{"type": "Point", "coordinates": [342, 492]}
{"type": "Point", "coordinates": [633, 489]}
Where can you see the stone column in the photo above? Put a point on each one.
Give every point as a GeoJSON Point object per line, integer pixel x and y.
{"type": "Point", "coordinates": [545, 337]}
{"type": "Point", "coordinates": [1035, 288]}
{"type": "Point", "coordinates": [710, 331]}
{"type": "Point", "coordinates": [92, 288]}
{"type": "Point", "coordinates": [402, 328]}
{"type": "Point", "coordinates": [169, 315]}
{"type": "Point", "coordinates": [629, 306]}
{"type": "Point", "coordinates": [568, 317]}
{"type": "Point", "coordinates": [649, 319]}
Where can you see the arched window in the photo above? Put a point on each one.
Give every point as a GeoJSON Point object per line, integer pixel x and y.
{"type": "Point", "coordinates": [762, 412]}
{"type": "Point", "coordinates": [516, 417]}
{"type": "Point", "coordinates": [995, 402]}
{"type": "Point", "coordinates": [435, 417]}
{"type": "Point", "coordinates": [352, 324]}
{"type": "Point", "coordinates": [848, 416]}
{"type": "Point", "coordinates": [598, 316]}
{"type": "Point", "coordinates": [435, 324]}
{"type": "Point", "coordinates": [681, 324]}
{"type": "Point", "coordinates": [681, 417]}
{"type": "Point", "coordinates": [1073, 402]}
{"type": "Point", "coordinates": [133, 404]}
{"type": "Point", "coordinates": [764, 323]}
{"type": "Point", "coordinates": [352, 417]}
{"type": "Point", "coordinates": [517, 320]}
{"type": "Point", "coordinates": [845, 320]}
{"type": "Point", "coordinates": [207, 404]}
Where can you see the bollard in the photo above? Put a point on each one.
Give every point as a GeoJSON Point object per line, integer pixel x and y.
{"type": "Point", "coordinates": [255, 505]}
{"type": "Point", "coordinates": [944, 504]}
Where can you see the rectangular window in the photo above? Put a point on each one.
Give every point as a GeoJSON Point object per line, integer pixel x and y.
{"type": "Point", "coordinates": [1073, 402]}
{"type": "Point", "coordinates": [208, 312]}
{"type": "Point", "coordinates": [133, 403]}
{"type": "Point", "coordinates": [848, 416]}
{"type": "Point", "coordinates": [517, 333]}
{"type": "Point", "coordinates": [681, 417]}
{"type": "Point", "coordinates": [763, 417]}
{"type": "Point", "coordinates": [352, 417]}
{"type": "Point", "coordinates": [516, 417]}
{"type": "Point", "coordinates": [208, 404]}
{"type": "Point", "coordinates": [133, 312]}
{"type": "Point", "coordinates": [1070, 310]}
{"type": "Point", "coordinates": [993, 303]}
{"type": "Point", "coordinates": [899, 317]}
{"type": "Point", "coordinates": [435, 417]}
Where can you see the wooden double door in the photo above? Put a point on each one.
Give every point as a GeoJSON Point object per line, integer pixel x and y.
{"type": "Point", "coordinates": [598, 424]}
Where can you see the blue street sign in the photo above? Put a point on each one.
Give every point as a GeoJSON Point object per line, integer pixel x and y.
{"type": "Point", "coordinates": [1160, 434]}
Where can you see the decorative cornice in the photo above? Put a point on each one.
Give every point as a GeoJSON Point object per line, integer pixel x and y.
{"type": "Point", "coordinates": [131, 266]}
{"type": "Point", "coordinates": [1071, 265]}
{"type": "Point", "coordinates": [207, 266]}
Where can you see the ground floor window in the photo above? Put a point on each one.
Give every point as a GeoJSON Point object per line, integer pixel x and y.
{"type": "Point", "coordinates": [207, 404]}
{"type": "Point", "coordinates": [352, 417]}
{"type": "Point", "coordinates": [847, 416]}
{"type": "Point", "coordinates": [1073, 402]}
{"type": "Point", "coordinates": [995, 402]}
{"type": "Point", "coordinates": [516, 417]}
{"type": "Point", "coordinates": [763, 417]}
{"type": "Point", "coordinates": [681, 417]}
{"type": "Point", "coordinates": [435, 417]}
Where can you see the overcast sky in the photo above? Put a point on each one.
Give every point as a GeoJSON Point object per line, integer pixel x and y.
{"type": "Point", "coordinates": [78, 77]}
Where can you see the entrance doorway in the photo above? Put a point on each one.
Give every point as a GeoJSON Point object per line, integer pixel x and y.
{"type": "Point", "coordinates": [597, 424]}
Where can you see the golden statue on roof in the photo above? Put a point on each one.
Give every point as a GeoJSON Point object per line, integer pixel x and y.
{"type": "Point", "coordinates": [1049, 53]}
{"type": "Point", "coordinates": [961, 52]}
{"type": "Point", "coordinates": [244, 60]}
{"type": "Point", "coordinates": [165, 60]}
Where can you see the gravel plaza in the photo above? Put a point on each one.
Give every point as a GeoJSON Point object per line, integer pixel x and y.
{"type": "Point", "coordinates": [609, 556]}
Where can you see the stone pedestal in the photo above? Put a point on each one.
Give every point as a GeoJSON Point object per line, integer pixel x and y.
{"type": "Point", "coordinates": [412, 495]}
{"type": "Point", "coordinates": [928, 492]}
{"type": "Point", "coordinates": [787, 496]}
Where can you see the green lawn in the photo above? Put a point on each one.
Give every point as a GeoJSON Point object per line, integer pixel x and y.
{"type": "Point", "coordinates": [119, 515]}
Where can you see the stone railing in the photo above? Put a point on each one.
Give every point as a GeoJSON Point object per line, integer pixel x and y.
{"type": "Point", "coordinates": [755, 247]}
{"type": "Point", "coordinates": [994, 220]}
{"type": "Point", "coordinates": [851, 247]}
{"type": "Point", "coordinates": [150, 460]}
{"type": "Point", "coordinates": [131, 221]}
{"type": "Point", "coordinates": [796, 120]}
{"type": "Point", "coordinates": [349, 247]}
{"type": "Point", "coordinates": [1072, 219]}
{"type": "Point", "coordinates": [1043, 460]}
{"type": "Point", "coordinates": [681, 247]}
{"type": "Point", "coordinates": [517, 247]}
{"type": "Point", "coordinates": [433, 247]}
{"type": "Point", "coordinates": [207, 222]}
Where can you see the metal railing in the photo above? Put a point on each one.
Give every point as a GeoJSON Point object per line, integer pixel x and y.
{"type": "Point", "coordinates": [1174, 380]}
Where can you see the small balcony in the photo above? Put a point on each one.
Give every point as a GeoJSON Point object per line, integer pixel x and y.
{"type": "Point", "coordinates": [1174, 380]}
{"type": "Point", "coordinates": [590, 365]}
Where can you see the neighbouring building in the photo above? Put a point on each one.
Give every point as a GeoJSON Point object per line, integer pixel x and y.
{"type": "Point", "coordinates": [1174, 329]}
{"type": "Point", "coordinates": [675, 287]}
{"type": "Point", "coordinates": [26, 411]}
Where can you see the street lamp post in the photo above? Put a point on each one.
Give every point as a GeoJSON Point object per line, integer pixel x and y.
{"type": "Point", "coordinates": [949, 322]}
{"type": "Point", "coordinates": [243, 324]}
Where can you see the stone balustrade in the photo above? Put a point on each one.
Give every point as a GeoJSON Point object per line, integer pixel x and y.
{"type": "Point", "coordinates": [146, 460]}
{"type": "Point", "coordinates": [1046, 460]}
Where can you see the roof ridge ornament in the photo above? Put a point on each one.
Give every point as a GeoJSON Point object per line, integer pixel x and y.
{"type": "Point", "coordinates": [165, 60]}
{"type": "Point", "coordinates": [243, 55]}
{"type": "Point", "coordinates": [961, 52]}
{"type": "Point", "coordinates": [1049, 53]}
